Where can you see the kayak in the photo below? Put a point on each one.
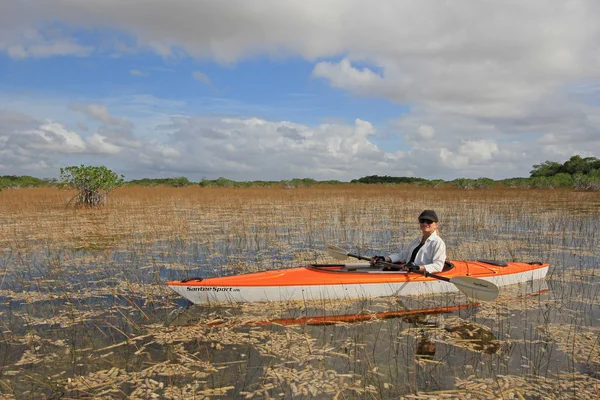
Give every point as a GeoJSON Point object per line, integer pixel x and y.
{"type": "Point", "coordinates": [350, 281]}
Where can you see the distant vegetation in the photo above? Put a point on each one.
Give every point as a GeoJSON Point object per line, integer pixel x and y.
{"type": "Point", "coordinates": [24, 181]}
{"type": "Point", "coordinates": [12, 181]}
{"type": "Point", "coordinates": [577, 172]}
{"type": "Point", "coordinates": [391, 179]}
{"type": "Point", "coordinates": [180, 181]}
{"type": "Point", "coordinates": [224, 182]}
{"type": "Point", "coordinates": [574, 166]}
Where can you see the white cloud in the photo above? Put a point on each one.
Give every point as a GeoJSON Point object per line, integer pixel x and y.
{"type": "Point", "coordinates": [33, 147]}
{"type": "Point", "coordinates": [162, 49]}
{"type": "Point", "coordinates": [51, 49]}
{"type": "Point", "coordinates": [478, 150]}
{"type": "Point", "coordinates": [29, 42]}
{"type": "Point", "coordinates": [100, 145]}
{"type": "Point", "coordinates": [11, 120]}
{"type": "Point", "coordinates": [53, 137]}
{"type": "Point", "coordinates": [344, 75]}
{"type": "Point", "coordinates": [492, 87]}
{"type": "Point", "coordinates": [452, 160]}
{"type": "Point", "coordinates": [254, 148]}
{"type": "Point", "coordinates": [426, 132]}
{"type": "Point", "coordinates": [199, 76]}
{"type": "Point", "coordinates": [100, 113]}
{"type": "Point", "coordinates": [122, 137]}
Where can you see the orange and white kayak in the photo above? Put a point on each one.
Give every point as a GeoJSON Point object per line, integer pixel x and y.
{"type": "Point", "coordinates": [341, 281]}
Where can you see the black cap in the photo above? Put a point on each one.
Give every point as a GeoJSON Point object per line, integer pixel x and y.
{"type": "Point", "coordinates": [430, 215]}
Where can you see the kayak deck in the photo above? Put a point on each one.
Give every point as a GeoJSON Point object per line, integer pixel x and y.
{"type": "Point", "coordinates": [319, 274]}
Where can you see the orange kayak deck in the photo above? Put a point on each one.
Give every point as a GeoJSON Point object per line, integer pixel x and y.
{"type": "Point", "coordinates": [335, 274]}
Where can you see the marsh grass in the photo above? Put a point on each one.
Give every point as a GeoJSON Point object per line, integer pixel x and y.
{"type": "Point", "coordinates": [85, 312]}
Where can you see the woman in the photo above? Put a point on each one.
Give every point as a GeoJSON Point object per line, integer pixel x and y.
{"type": "Point", "coordinates": [426, 253]}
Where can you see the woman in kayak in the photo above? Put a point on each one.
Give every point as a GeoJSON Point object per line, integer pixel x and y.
{"type": "Point", "coordinates": [426, 253]}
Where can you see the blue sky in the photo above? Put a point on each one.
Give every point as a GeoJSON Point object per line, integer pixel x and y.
{"type": "Point", "coordinates": [272, 89]}
{"type": "Point", "coordinates": [280, 90]}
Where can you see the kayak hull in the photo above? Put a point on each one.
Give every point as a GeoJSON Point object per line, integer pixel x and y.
{"type": "Point", "coordinates": [325, 282]}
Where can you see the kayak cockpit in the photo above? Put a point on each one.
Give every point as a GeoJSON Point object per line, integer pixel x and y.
{"type": "Point", "coordinates": [355, 268]}
{"type": "Point", "coordinates": [368, 268]}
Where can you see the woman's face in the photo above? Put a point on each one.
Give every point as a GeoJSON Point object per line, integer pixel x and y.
{"type": "Point", "coordinates": [427, 226]}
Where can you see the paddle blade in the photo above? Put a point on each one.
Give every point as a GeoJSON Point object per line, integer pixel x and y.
{"type": "Point", "coordinates": [474, 288]}
{"type": "Point", "coordinates": [337, 252]}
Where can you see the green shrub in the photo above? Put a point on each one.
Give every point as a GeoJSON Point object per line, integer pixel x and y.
{"type": "Point", "coordinates": [561, 180]}
{"type": "Point", "coordinates": [516, 182]}
{"type": "Point", "coordinates": [586, 182]}
{"type": "Point", "coordinates": [480, 183]}
{"type": "Point", "coordinates": [91, 182]}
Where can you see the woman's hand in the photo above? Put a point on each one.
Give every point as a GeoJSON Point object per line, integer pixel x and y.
{"type": "Point", "coordinates": [377, 259]}
{"type": "Point", "coordinates": [412, 267]}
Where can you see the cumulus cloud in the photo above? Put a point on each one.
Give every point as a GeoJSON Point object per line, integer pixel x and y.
{"type": "Point", "coordinates": [254, 148]}
{"type": "Point", "coordinates": [28, 145]}
{"type": "Point", "coordinates": [120, 136]}
{"type": "Point", "coordinates": [50, 136]}
{"type": "Point", "coordinates": [246, 148]}
{"type": "Point", "coordinates": [479, 150]}
{"type": "Point", "coordinates": [99, 144]}
{"type": "Point", "coordinates": [344, 75]}
{"type": "Point", "coordinates": [53, 138]}
{"type": "Point", "coordinates": [489, 84]}
{"type": "Point", "coordinates": [11, 120]}
{"type": "Point", "coordinates": [240, 148]}
{"type": "Point", "coordinates": [473, 64]}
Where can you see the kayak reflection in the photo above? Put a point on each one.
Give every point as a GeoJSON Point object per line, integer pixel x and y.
{"type": "Point", "coordinates": [196, 314]}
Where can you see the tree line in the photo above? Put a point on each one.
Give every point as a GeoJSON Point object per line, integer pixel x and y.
{"type": "Point", "coordinates": [93, 183]}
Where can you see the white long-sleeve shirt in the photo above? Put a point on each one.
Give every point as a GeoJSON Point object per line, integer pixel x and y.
{"type": "Point", "coordinates": [432, 255]}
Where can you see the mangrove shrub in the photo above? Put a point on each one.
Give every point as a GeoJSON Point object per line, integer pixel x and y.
{"type": "Point", "coordinates": [92, 183]}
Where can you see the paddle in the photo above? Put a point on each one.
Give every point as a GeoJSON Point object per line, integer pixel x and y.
{"type": "Point", "coordinates": [472, 287]}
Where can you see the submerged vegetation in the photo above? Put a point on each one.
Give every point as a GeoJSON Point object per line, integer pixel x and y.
{"type": "Point", "coordinates": [85, 312]}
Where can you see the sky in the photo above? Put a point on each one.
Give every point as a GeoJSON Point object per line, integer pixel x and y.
{"type": "Point", "coordinates": [283, 89]}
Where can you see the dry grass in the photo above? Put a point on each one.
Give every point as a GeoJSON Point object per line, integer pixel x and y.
{"type": "Point", "coordinates": [84, 304]}
{"type": "Point", "coordinates": [350, 214]}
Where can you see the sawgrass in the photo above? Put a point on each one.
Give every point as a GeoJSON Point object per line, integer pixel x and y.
{"type": "Point", "coordinates": [85, 310]}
